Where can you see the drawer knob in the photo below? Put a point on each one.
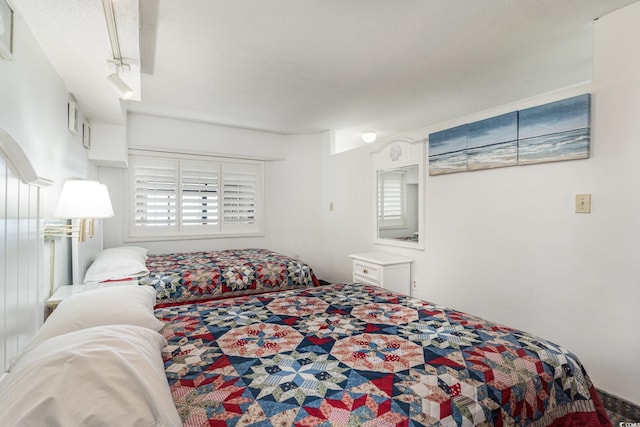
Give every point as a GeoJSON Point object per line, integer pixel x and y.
{"type": "Point", "coordinates": [365, 271]}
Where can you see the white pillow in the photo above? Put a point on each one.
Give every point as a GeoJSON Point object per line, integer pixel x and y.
{"type": "Point", "coordinates": [118, 263]}
{"type": "Point", "coordinates": [128, 305]}
{"type": "Point", "coordinates": [103, 376]}
{"type": "Point", "coordinates": [140, 251]}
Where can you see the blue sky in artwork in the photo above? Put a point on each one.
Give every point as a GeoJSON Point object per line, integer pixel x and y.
{"type": "Point", "coordinates": [560, 116]}
{"type": "Point", "coordinates": [495, 130]}
{"type": "Point", "coordinates": [448, 141]}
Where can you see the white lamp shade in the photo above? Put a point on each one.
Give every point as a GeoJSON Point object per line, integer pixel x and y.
{"type": "Point", "coordinates": [81, 199]}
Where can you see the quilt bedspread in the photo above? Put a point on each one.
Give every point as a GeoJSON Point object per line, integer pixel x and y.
{"type": "Point", "coordinates": [194, 276]}
{"type": "Point", "coordinates": [357, 355]}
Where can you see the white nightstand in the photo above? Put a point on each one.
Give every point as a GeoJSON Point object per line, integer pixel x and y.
{"type": "Point", "coordinates": [66, 291]}
{"type": "Point", "coordinates": [381, 269]}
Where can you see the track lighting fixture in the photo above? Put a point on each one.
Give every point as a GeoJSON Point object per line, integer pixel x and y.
{"type": "Point", "coordinates": [123, 90]}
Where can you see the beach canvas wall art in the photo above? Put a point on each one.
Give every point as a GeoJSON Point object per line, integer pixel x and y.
{"type": "Point", "coordinates": [552, 132]}
{"type": "Point", "coordinates": [448, 151]}
{"type": "Point", "coordinates": [493, 143]}
{"type": "Point", "coordinates": [555, 132]}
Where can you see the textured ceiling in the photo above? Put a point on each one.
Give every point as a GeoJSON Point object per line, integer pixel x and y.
{"type": "Point", "coordinates": [298, 66]}
{"type": "Point", "coordinates": [73, 33]}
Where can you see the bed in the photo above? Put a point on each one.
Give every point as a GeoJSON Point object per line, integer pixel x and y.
{"type": "Point", "coordinates": [208, 275]}
{"type": "Point", "coordinates": [202, 276]}
{"type": "Point", "coordinates": [334, 355]}
{"type": "Point", "coordinates": [353, 354]}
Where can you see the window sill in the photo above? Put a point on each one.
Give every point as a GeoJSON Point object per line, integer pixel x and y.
{"type": "Point", "coordinates": [393, 227]}
{"type": "Point", "coordinates": [173, 237]}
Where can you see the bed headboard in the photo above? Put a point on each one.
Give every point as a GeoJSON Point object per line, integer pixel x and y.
{"type": "Point", "coordinates": [23, 287]}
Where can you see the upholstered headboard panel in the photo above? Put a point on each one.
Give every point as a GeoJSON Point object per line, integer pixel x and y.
{"type": "Point", "coordinates": [23, 287]}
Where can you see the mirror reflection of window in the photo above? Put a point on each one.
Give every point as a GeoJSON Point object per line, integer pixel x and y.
{"type": "Point", "coordinates": [391, 208]}
{"type": "Point", "coordinates": [398, 203]}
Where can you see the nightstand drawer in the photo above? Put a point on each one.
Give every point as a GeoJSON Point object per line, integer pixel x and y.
{"type": "Point", "coordinates": [365, 281]}
{"type": "Point", "coordinates": [388, 271]}
{"type": "Point", "coordinates": [367, 271]}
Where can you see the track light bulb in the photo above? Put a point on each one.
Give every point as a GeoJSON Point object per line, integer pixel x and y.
{"type": "Point", "coordinates": [120, 86]}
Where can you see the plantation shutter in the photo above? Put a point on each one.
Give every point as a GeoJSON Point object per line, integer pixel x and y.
{"type": "Point", "coordinates": [391, 199]}
{"type": "Point", "coordinates": [240, 196]}
{"type": "Point", "coordinates": [190, 197]}
{"type": "Point", "coordinates": [154, 194]}
{"type": "Point", "coordinates": [200, 194]}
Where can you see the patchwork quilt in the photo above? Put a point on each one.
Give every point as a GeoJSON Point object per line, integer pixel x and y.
{"type": "Point", "coordinates": [196, 276]}
{"type": "Point", "coordinates": [358, 355]}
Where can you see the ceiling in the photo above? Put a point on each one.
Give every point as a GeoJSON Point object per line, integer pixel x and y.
{"type": "Point", "coordinates": [303, 66]}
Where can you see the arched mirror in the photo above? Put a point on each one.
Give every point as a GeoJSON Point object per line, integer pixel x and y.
{"type": "Point", "coordinates": [399, 190]}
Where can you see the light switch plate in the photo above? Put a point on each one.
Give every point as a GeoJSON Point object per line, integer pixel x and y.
{"type": "Point", "coordinates": [583, 203]}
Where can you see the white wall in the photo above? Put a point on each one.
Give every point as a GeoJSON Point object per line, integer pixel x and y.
{"type": "Point", "coordinates": [158, 133]}
{"type": "Point", "coordinates": [292, 202]}
{"type": "Point", "coordinates": [299, 185]}
{"type": "Point", "coordinates": [33, 110]}
{"type": "Point", "coordinates": [347, 183]}
{"type": "Point", "coordinates": [288, 181]}
{"type": "Point", "coordinates": [506, 245]}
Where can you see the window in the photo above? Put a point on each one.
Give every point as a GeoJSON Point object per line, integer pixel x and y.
{"type": "Point", "coordinates": [185, 196]}
{"type": "Point", "coordinates": [391, 199]}
{"type": "Point", "coordinates": [239, 188]}
{"type": "Point", "coordinates": [200, 195]}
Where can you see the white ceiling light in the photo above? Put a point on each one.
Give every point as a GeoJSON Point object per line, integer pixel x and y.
{"type": "Point", "coordinates": [369, 136]}
{"type": "Point", "coordinates": [123, 90]}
